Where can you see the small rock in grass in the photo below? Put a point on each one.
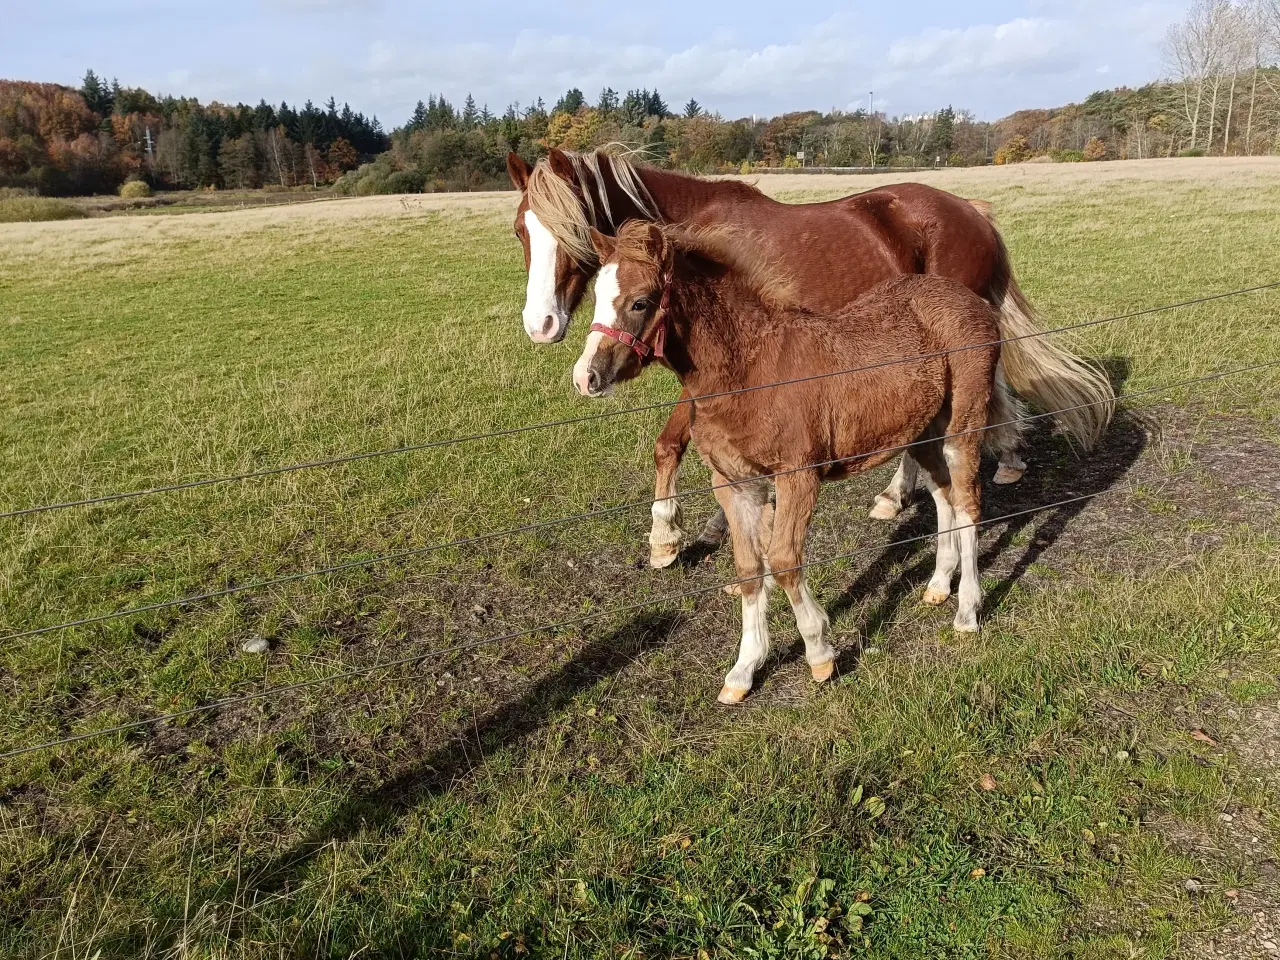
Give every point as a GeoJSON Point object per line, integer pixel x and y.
{"type": "Point", "coordinates": [1192, 886]}
{"type": "Point", "coordinates": [256, 645]}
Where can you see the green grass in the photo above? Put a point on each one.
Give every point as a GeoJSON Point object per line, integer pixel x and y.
{"type": "Point", "coordinates": [34, 209]}
{"type": "Point", "coordinates": [572, 794]}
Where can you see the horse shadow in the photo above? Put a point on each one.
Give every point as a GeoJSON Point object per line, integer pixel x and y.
{"type": "Point", "coordinates": [1055, 473]}
{"type": "Point", "coordinates": [378, 810]}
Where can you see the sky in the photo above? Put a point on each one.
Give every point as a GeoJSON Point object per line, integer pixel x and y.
{"type": "Point", "coordinates": [750, 57]}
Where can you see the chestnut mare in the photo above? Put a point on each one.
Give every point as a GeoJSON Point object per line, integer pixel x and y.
{"type": "Point", "coordinates": [722, 316]}
{"type": "Point", "coordinates": [833, 251]}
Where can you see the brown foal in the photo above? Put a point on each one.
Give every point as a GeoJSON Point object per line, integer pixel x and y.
{"type": "Point", "coordinates": [717, 312]}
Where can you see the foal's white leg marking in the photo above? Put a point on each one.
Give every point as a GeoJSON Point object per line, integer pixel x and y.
{"type": "Point", "coordinates": [970, 585]}
{"type": "Point", "coordinates": [754, 649]}
{"type": "Point", "coordinates": [606, 293]}
{"type": "Point", "coordinates": [939, 587]}
{"type": "Point", "coordinates": [814, 627]}
{"type": "Point", "coordinates": [899, 492]}
{"type": "Point", "coordinates": [755, 603]}
{"type": "Point", "coordinates": [540, 291]}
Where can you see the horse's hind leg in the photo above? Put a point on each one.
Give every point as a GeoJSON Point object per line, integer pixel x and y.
{"type": "Point", "coordinates": [797, 494]}
{"type": "Point", "coordinates": [937, 480]}
{"type": "Point", "coordinates": [962, 454]}
{"type": "Point", "coordinates": [898, 495]}
{"type": "Point", "coordinates": [666, 533]}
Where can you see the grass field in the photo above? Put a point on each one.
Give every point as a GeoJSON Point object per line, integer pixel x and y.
{"type": "Point", "coordinates": [1094, 776]}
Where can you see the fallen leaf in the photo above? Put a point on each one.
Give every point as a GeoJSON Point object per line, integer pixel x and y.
{"type": "Point", "coordinates": [977, 872]}
{"type": "Point", "coordinates": [1232, 894]}
{"type": "Point", "coordinates": [987, 783]}
{"type": "Point", "coordinates": [1198, 734]}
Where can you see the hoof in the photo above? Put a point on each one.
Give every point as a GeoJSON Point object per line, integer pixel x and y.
{"type": "Point", "coordinates": [935, 598]}
{"type": "Point", "coordinates": [1006, 475]}
{"type": "Point", "coordinates": [966, 626]}
{"type": "Point", "coordinates": [884, 509]}
{"type": "Point", "coordinates": [663, 555]}
{"type": "Point", "coordinates": [731, 695]}
{"type": "Point", "coordinates": [733, 589]}
{"type": "Point", "coordinates": [822, 671]}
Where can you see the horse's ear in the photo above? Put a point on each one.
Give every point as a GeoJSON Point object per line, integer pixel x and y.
{"type": "Point", "coordinates": [518, 170]}
{"type": "Point", "coordinates": [561, 165]}
{"type": "Point", "coordinates": [605, 245]}
{"type": "Point", "coordinates": [657, 244]}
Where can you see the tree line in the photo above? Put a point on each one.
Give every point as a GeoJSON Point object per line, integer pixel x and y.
{"type": "Point", "coordinates": [60, 141]}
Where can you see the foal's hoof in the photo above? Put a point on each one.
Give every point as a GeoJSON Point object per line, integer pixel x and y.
{"type": "Point", "coordinates": [934, 597]}
{"type": "Point", "coordinates": [663, 555]}
{"type": "Point", "coordinates": [966, 626]}
{"type": "Point", "coordinates": [822, 671]}
{"type": "Point", "coordinates": [733, 589]}
{"type": "Point", "coordinates": [1006, 475]}
{"type": "Point", "coordinates": [884, 509]}
{"type": "Point", "coordinates": [731, 695]}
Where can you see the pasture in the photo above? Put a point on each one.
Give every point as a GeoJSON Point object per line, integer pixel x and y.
{"type": "Point", "coordinates": [1093, 776]}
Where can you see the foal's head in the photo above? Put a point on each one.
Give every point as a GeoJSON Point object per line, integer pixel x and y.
{"type": "Point", "coordinates": [558, 271]}
{"type": "Point", "coordinates": [631, 291]}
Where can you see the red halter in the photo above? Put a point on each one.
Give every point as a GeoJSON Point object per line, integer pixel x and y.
{"type": "Point", "coordinates": [638, 346]}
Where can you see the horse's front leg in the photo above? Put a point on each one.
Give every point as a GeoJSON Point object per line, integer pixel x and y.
{"type": "Point", "coordinates": [900, 492]}
{"type": "Point", "coordinates": [744, 505]}
{"type": "Point", "coordinates": [667, 532]}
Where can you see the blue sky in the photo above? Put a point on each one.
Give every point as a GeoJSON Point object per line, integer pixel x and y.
{"type": "Point", "coordinates": [743, 58]}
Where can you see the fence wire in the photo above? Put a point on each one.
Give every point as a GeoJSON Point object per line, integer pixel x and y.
{"type": "Point", "coordinates": [583, 516]}
{"type": "Point", "coordinates": [516, 634]}
{"type": "Point", "coordinates": [589, 418]}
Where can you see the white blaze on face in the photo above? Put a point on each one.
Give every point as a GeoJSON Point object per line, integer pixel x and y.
{"type": "Point", "coordinates": [544, 319]}
{"type": "Point", "coordinates": [607, 291]}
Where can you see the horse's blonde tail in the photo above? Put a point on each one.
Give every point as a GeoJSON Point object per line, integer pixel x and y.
{"type": "Point", "coordinates": [1040, 368]}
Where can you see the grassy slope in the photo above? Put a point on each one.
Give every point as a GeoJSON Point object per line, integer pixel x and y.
{"type": "Point", "coordinates": [608, 803]}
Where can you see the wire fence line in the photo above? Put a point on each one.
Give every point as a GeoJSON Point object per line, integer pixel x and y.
{"type": "Point", "coordinates": [585, 515]}
{"type": "Point", "coordinates": [589, 418]}
{"type": "Point", "coordinates": [517, 634]}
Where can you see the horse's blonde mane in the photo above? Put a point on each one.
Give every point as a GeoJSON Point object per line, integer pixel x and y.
{"type": "Point", "coordinates": [559, 207]}
{"type": "Point", "coordinates": [735, 248]}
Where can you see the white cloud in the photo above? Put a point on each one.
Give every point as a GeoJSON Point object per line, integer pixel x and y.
{"type": "Point", "coordinates": [1059, 52]}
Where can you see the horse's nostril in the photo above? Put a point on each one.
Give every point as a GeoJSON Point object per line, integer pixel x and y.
{"type": "Point", "coordinates": [593, 382]}
{"type": "Point", "coordinates": [548, 325]}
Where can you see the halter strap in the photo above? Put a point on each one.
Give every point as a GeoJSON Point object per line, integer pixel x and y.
{"type": "Point", "coordinates": [637, 345]}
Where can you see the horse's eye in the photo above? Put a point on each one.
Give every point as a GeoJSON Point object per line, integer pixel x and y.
{"type": "Point", "coordinates": [640, 305]}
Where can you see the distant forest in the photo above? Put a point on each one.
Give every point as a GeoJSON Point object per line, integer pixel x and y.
{"type": "Point", "coordinates": [1223, 98]}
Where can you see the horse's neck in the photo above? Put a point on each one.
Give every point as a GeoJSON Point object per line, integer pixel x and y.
{"type": "Point", "coordinates": [679, 198]}
{"type": "Point", "coordinates": [707, 314]}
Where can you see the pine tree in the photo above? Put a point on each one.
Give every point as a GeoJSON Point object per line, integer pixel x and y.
{"type": "Point", "coordinates": [95, 93]}
{"type": "Point", "coordinates": [419, 118]}
{"type": "Point", "coordinates": [635, 107]}
{"type": "Point", "coordinates": [655, 106]}
{"type": "Point", "coordinates": [571, 102]}
{"type": "Point", "coordinates": [692, 109]}
{"type": "Point", "coordinates": [469, 113]}
{"type": "Point", "coordinates": [486, 117]}
{"type": "Point", "coordinates": [608, 101]}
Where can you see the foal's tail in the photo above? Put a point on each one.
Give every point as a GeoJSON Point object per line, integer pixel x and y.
{"type": "Point", "coordinates": [1039, 367]}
